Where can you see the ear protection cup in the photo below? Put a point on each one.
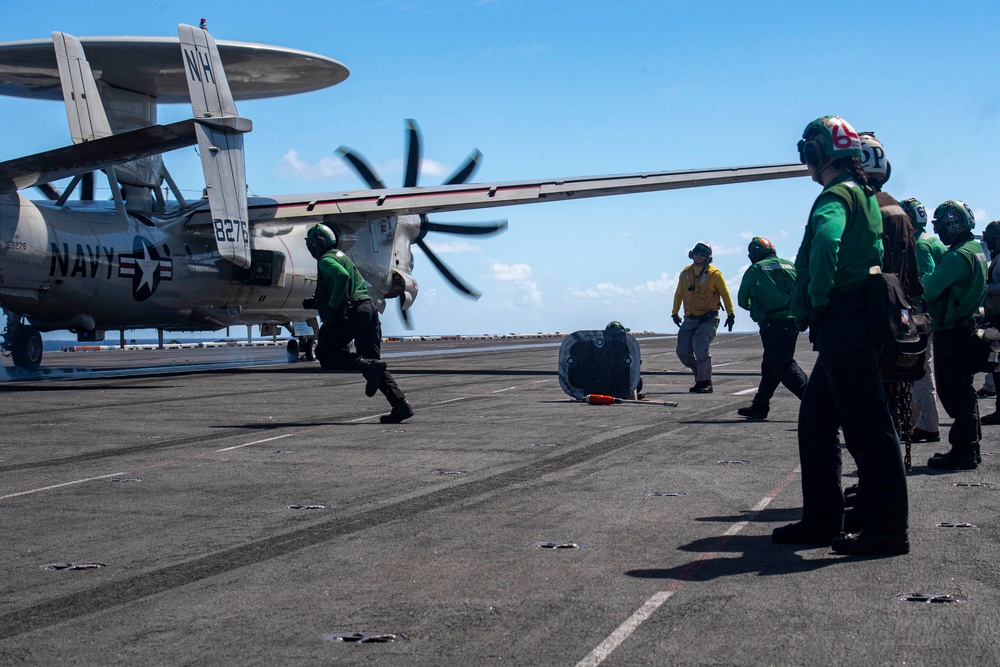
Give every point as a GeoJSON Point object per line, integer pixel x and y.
{"type": "Point", "coordinates": [812, 153]}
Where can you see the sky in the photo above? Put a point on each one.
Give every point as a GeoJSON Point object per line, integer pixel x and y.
{"type": "Point", "coordinates": [557, 89]}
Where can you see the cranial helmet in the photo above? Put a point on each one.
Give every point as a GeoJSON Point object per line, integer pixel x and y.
{"type": "Point", "coordinates": [873, 160]}
{"type": "Point", "coordinates": [916, 211]}
{"type": "Point", "coordinates": [320, 240]}
{"type": "Point", "coordinates": [991, 236]}
{"type": "Point", "coordinates": [826, 139]}
{"type": "Point", "coordinates": [760, 248]}
{"type": "Point", "coordinates": [615, 325]}
{"type": "Point", "coordinates": [703, 249]}
{"type": "Point", "coordinates": [951, 219]}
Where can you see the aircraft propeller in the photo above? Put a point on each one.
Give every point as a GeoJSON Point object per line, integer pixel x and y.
{"type": "Point", "coordinates": [461, 175]}
{"type": "Point", "coordinates": [86, 188]}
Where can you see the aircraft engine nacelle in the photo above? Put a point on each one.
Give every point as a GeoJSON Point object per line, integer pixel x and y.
{"type": "Point", "coordinates": [382, 253]}
{"type": "Point", "coordinates": [404, 287]}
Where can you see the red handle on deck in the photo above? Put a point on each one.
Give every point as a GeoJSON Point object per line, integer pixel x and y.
{"type": "Point", "coordinates": [599, 399]}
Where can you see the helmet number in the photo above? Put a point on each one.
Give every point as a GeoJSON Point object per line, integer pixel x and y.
{"type": "Point", "coordinates": [232, 231]}
{"type": "Point", "coordinates": [843, 136]}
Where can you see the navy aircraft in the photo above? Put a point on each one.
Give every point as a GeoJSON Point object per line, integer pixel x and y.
{"type": "Point", "coordinates": [144, 261]}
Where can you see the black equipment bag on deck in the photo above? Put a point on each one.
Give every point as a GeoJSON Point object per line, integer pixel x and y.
{"type": "Point", "coordinates": [599, 362]}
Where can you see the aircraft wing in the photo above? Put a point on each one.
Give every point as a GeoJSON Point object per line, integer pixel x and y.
{"type": "Point", "coordinates": [41, 168]}
{"type": "Point", "coordinates": [409, 201]}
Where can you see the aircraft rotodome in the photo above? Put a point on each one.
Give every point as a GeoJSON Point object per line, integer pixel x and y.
{"type": "Point", "coordinates": [141, 261]}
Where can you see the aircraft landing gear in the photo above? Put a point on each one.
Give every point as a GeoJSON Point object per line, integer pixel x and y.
{"type": "Point", "coordinates": [301, 349]}
{"type": "Point", "coordinates": [24, 343]}
{"type": "Point", "coordinates": [26, 348]}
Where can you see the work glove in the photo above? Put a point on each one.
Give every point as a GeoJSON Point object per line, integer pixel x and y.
{"type": "Point", "coordinates": [730, 321]}
{"type": "Point", "coordinates": [676, 318]}
{"type": "Point", "coordinates": [309, 304]}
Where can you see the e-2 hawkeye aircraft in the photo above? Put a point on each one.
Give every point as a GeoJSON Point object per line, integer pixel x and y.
{"type": "Point", "coordinates": [142, 261]}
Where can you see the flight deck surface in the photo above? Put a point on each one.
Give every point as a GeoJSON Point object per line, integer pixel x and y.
{"type": "Point", "coordinates": [254, 515]}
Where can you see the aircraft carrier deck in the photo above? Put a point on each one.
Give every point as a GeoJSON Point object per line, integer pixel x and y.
{"type": "Point", "coordinates": [258, 515]}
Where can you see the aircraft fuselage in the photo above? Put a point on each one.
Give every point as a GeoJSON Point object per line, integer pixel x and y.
{"type": "Point", "coordinates": [70, 267]}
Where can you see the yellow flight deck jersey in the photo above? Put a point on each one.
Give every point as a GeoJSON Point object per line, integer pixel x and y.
{"type": "Point", "coordinates": [700, 291]}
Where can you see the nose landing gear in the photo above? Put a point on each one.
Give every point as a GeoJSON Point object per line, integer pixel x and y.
{"type": "Point", "coordinates": [301, 349]}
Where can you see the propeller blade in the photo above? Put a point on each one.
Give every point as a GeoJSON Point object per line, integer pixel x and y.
{"type": "Point", "coordinates": [49, 191]}
{"type": "Point", "coordinates": [405, 315]}
{"type": "Point", "coordinates": [87, 187]}
{"type": "Point", "coordinates": [462, 228]}
{"type": "Point", "coordinates": [412, 154]}
{"type": "Point", "coordinates": [361, 167]}
{"type": "Point", "coordinates": [446, 272]}
{"type": "Point", "coordinates": [463, 173]}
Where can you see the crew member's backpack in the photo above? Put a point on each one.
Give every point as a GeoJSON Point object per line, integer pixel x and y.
{"type": "Point", "coordinates": [895, 325]}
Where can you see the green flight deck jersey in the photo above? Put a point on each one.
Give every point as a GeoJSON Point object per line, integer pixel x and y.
{"type": "Point", "coordinates": [338, 283]}
{"type": "Point", "coordinates": [843, 240]}
{"type": "Point", "coordinates": [955, 289]}
{"type": "Point", "coordinates": [929, 251]}
{"type": "Point", "coordinates": [766, 289]}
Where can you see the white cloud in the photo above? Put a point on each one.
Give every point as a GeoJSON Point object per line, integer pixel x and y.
{"type": "Point", "coordinates": [719, 250]}
{"type": "Point", "coordinates": [293, 165]}
{"type": "Point", "coordinates": [661, 287]}
{"type": "Point", "coordinates": [510, 271]}
{"type": "Point", "coordinates": [451, 247]}
{"type": "Point", "coordinates": [519, 291]}
{"type": "Point", "coordinates": [428, 168]}
{"type": "Point", "coordinates": [529, 295]}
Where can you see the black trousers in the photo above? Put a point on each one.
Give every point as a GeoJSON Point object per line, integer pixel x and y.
{"type": "Point", "coordinates": [954, 385]}
{"type": "Point", "coordinates": [845, 391]}
{"type": "Point", "coordinates": [778, 365]}
{"type": "Point", "coordinates": [361, 325]}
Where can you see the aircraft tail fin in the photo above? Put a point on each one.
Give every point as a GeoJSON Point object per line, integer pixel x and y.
{"type": "Point", "coordinates": [87, 118]}
{"type": "Point", "coordinates": [220, 132]}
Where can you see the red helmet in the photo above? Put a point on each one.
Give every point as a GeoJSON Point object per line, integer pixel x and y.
{"type": "Point", "coordinates": [760, 248]}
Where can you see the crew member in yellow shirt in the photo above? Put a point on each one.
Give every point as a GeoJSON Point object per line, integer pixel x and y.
{"type": "Point", "coordinates": [700, 288]}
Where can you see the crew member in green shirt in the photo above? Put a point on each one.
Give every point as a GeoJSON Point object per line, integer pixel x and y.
{"type": "Point", "coordinates": [954, 292]}
{"type": "Point", "coordinates": [841, 245]}
{"type": "Point", "coordinates": [765, 291]}
{"type": "Point", "coordinates": [348, 314]}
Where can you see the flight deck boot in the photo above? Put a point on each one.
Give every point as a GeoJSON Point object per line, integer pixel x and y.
{"type": "Point", "coordinates": [400, 411]}
{"type": "Point", "coordinates": [372, 369]}
{"type": "Point", "coordinates": [755, 411]}
{"type": "Point", "coordinates": [959, 457]}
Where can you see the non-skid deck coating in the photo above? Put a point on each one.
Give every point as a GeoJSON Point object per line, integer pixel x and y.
{"type": "Point", "coordinates": [252, 516]}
